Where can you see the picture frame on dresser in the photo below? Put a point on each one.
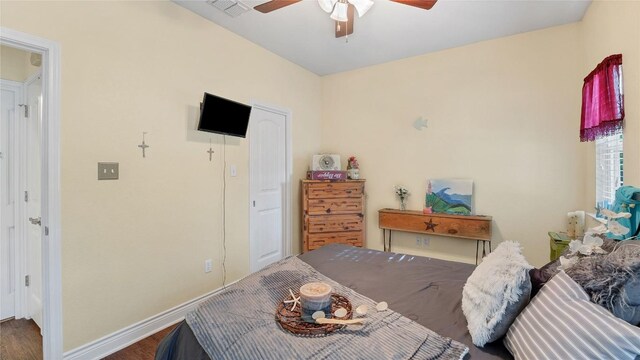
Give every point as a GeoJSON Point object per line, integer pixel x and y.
{"type": "Point", "coordinates": [332, 213]}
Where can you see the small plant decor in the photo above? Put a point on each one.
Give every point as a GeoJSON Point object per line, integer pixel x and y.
{"type": "Point", "coordinates": [352, 163]}
{"type": "Point", "coordinates": [353, 168]}
{"type": "Point", "coordinates": [402, 193]}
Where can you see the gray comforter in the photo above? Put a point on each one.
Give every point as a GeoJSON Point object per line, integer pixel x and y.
{"type": "Point", "coordinates": [425, 290]}
{"type": "Point", "coordinates": [239, 323]}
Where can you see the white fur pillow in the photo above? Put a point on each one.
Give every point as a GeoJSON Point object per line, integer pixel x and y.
{"type": "Point", "coordinates": [496, 292]}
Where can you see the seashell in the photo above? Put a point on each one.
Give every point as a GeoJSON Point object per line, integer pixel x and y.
{"type": "Point", "coordinates": [317, 315]}
{"type": "Point", "coordinates": [382, 306]}
{"type": "Point", "coordinates": [362, 310]}
{"type": "Point", "coordinates": [341, 312]}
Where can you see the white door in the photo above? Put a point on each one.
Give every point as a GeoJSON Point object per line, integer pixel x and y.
{"type": "Point", "coordinates": [11, 97]}
{"type": "Point", "coordinates": [268, 182]}
{"type": "Point", "coordinates": [33, 181]}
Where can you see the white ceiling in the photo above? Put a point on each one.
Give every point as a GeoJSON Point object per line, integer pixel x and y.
{"type": "Point", "coordinates": [304, 34]}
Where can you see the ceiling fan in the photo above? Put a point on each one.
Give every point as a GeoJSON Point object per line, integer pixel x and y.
{"type": "Point", "coordinates": [342, 11]}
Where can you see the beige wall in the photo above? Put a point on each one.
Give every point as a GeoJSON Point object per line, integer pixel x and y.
{"type": "Point", "coordinates": [503, 112]}
{"type": "Point", "coordinates": [613, 27]}
{"type": "Point", "coordinates": [15, 64]}
{"type": "Point", "coordinates": [135, 247]}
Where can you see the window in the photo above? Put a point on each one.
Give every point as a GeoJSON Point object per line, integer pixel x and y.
{"type": "Point", "coordinates": [602, 100]}
{"type": "Point", "coordinates": [609, 169]}
{"type": "Point", "coordinates": [601, 121]}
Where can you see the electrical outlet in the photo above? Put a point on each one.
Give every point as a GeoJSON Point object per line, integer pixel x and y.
{"type": "Point", "coordinates": [234, 170]}
{"type": "Point", "coordinates": [208, 265]}
{"type": "Point", "coordinates": [418, 240]}
{"type": "Point", "coordinates": [426, 241]}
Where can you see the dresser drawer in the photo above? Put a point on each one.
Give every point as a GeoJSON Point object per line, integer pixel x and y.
{"type": "Point", "coordinates": [334, 206]}
{"type": "Point", "coordinates": [335, 190]}
{"type": "Point", "coordinates": [326, 223]}
{"type": "Point", "coordinates": [353, 238]}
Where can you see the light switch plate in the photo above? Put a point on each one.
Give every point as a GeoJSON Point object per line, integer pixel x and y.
{"type": "Point", "coordinates": [108, 171]}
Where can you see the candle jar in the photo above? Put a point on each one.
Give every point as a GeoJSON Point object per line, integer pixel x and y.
{"type": "Point", "coordinates": [315, 296]}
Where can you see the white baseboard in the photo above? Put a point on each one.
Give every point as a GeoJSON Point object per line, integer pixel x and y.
{"type": "Point", "coordinates": [122, 338]}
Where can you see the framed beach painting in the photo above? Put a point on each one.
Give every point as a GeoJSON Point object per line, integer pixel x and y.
{"type": "Point", "coordinates": [449, 196]}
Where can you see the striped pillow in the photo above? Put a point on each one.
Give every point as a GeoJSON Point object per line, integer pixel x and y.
{"type": "Point", "coordinates": [561, 323]}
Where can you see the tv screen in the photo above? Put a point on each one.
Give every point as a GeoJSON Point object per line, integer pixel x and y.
{"type": "Point", "coordinates": [223, 116]}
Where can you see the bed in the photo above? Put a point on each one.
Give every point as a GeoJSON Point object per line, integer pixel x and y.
{"type": "Point", "coordinates": [425, 290]}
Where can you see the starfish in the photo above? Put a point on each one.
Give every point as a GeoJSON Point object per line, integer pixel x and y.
{"type": "Point", "coordinates": [295, 301]}
{"type": "Point", "coordinates": [431, 225]}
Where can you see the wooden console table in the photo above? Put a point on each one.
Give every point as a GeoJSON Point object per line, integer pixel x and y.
{"type": "Point", "coordinates": [476, 228]}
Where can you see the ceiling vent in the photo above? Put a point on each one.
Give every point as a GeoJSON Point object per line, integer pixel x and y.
{"type": "Point", "coordinates": [232, 8]}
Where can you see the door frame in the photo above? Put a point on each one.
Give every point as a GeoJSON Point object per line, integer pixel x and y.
{"type": "Point", "coordinates": [51, 224]}
{"type": "Point", "coordinates": [288, 200]}
{"type": "Point", "coordinates": [18, 250]}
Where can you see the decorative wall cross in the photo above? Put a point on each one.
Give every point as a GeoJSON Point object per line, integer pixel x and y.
{"type": "Point", "coordinates": [210, 151]}
{"type": "Point", "coordinates": [143, 146]}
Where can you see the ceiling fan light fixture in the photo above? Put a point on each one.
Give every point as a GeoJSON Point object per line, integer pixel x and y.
{"type": "Point", "coordinates": [362, 6]}
{"type": "Point", "coordinates": [340, 12]}
{"type": "Point", "coordinates": [327, 5]}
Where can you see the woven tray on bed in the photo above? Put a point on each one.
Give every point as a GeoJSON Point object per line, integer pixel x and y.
{"type": "Point", "coordinates": [292, 322]}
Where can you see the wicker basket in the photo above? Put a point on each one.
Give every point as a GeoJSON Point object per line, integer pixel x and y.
{"type": "Point", "coordinates": [292, 322]}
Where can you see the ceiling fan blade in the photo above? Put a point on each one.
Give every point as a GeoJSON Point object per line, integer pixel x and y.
{"type": "Point", "coordinates": [344, 28]}
{"type": "Point", "coordinates": [422, 4]}
{"type": "Point", "coordinates": [274, 5]}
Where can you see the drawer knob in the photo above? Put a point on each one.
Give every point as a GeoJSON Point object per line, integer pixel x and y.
{"type": "Point", "coordinates": [452, 231]}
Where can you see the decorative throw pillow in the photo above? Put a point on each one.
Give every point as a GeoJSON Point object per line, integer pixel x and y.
{"type": "Point", "coordinates": [496, 292]}
{"type": "Point", "coordinates": [561, 323]}
{"type": "Point", "coordinates": [613, 280]}
{"type": "Point", "coordinates": [631, 310]}
{"type": "Point", "coordinates": [539, 277]}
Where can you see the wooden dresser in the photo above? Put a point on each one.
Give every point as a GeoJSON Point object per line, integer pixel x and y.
{"type": "Point", "coordinates": [333, 212]}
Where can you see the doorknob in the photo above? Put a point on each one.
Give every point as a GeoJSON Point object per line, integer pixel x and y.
{"type": "Point", "coordinates": [35, 221]}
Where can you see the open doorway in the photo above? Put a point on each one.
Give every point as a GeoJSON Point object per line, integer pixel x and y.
{"type": "Point", "coordinates": [20, 220]}
{"type": "Point", "coordinates": [30, 256]}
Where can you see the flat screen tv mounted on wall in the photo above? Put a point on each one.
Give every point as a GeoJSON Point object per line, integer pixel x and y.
{"type": "Point", "coordinates": [223, 116]}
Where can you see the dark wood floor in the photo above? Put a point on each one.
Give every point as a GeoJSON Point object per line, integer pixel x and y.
{"type": "Point", "coordinates": [144, 349]}
{"type": "Point", "coordinates": [21, 340]}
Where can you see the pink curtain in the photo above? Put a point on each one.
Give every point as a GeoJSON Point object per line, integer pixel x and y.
{"type": "Point", "coordinates": [602, 100]}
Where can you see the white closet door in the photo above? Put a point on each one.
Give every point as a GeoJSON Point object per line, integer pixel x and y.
{"type": "Point", "coordinates": [268, 184]}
